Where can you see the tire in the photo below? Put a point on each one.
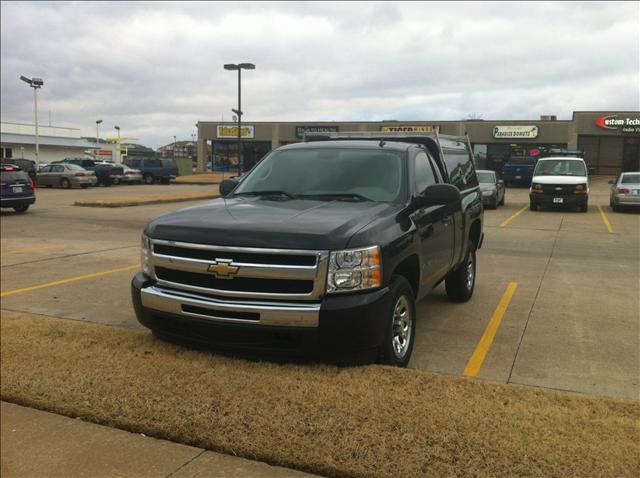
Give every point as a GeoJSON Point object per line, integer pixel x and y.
{"type": "Point", "coordinates": [116, 181]}
{"type": "Point", "coordinates": [615, 208]}
{"type": "Point", "coordinates": [533, 206]}
{"type": "Point", "coordinates": [84, 186]}
{"type": "Point", "coordinates": [21, 209]}
{"type": "Point", "coordinates": [400, 324]}
{"type": "Point", "coordinates": [461, 281]}
{"type": "Point", "coordinates": [584, 207]}
{"type": "Point", "coordinates": [165, 180]}
{"type": "Point", "coordinates": [501, 203]}
{"type": "Point", "coordinates": [148, 179]}
{"type": "Point", "coordinates": [65, 183]}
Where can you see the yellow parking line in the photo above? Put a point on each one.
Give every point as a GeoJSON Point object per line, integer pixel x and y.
{"type": "Point", "coordinates": [479, 354]}
{"type": "Point", "coordinates": [66, 281]}
{"type": "Point", "coordinates": [512, 217]}
{"type": "Point", "coordinates": [605, 219]}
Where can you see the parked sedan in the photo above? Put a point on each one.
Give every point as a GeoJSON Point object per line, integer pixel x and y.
{"type": "Point", "coordinates": [66, 176]}
{"type": "Point", "coordinates": [492, 189]}
{"type": "Point", "coordinates": [625, 191]}
{"type": "Point", "coordinates": [131, 176]}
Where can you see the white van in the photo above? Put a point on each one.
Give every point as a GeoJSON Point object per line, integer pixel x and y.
{"type": "Point", "coordinates": [560, 181]}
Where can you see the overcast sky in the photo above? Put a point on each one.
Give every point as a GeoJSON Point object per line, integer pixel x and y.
{"type": "Point", "coordinates": [156, 69]}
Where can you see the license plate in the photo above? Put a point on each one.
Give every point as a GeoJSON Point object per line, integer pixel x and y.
{"type": "Point", "coordinates": [558, 200]}
{"type": "Point", "coordinates": [17, 189]}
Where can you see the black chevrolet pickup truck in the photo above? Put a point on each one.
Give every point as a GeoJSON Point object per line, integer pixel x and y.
{"type": "Point", "coordinates": [321, 250]}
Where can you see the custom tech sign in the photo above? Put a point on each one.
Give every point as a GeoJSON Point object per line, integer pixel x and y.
{"type": "Point", "coordinates": [410, 128]}
{"type": "Point", "coordinates": [624, 124]}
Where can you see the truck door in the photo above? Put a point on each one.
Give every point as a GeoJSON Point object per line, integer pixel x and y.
{"type": "Point", "coordinates": [435, 227]}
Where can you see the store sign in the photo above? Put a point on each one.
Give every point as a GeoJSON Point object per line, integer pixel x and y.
{"type": "Point", "coordinates": [615, 122]}
{"type": "Point", "coordinates": [410, 129]}
{"type": "Point", "coordinates": [519, 132]}
{"type": "Point", "coordinates": [302, 130]}
{"type": "Point", "coordinates": [232, 132]}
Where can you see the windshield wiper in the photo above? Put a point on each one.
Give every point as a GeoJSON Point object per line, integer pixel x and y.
{"type": "Point", "coordinates": [337, 196]}
{"type": "Point", "coordinates": [271, 192]}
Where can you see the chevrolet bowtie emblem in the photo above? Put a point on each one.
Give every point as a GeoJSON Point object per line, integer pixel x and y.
{"type": "Point", "coordinates": [223, 269]}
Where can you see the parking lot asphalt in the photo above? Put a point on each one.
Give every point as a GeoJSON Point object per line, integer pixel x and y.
{"type": "Point", "coordinates": [556, 302]}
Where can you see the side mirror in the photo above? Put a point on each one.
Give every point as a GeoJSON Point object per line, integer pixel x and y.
{"type": "Point", "coordinates": [438, 195]}
{"type": "Point", "coordinates": [227, 186]}
{"type": "Point", "coordinates": [500, 181]}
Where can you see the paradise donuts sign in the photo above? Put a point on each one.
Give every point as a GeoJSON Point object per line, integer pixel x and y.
{"type": "Point", "coordinates": [616, 122]}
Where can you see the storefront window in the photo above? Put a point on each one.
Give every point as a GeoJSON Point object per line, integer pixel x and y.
{"type": "Point", "coordinates": [225, 154]}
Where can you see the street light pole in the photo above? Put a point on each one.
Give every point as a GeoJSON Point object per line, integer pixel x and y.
{"type": "Point", "coordinates": [35, 83]}
{"type": "Point", "coordinates": [238, 112]}
{"type": "Point", "coordinates": [117, 128]}
{"type": "Point", "coordinates": [98, 136]}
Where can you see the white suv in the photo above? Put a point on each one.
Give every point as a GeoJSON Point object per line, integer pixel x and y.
{"type": "Point", "coordinates": [560, 181]}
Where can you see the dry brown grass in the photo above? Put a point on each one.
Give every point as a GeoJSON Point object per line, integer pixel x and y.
{"type": "Point", "coordinates": [366, 421]}
{"type": "Point", "coordinates": [146, 199]}
{"type": "Point", "coordinates": [204, 178]}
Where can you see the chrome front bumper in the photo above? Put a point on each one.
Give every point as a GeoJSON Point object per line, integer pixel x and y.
{"type": "Point", "coordinates": [277, 314]}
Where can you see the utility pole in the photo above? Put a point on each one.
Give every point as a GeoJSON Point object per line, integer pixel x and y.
{"type": "Point", "coordinates": [35, 83]}
{"type": "Point", "coordinates": [238, 112]}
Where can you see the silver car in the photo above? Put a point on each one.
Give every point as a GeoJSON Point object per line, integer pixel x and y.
{"type": "Point", "coordinates": [131, 176]}
{"type": "Point", "coordinates": [66, 176]}
{"type": "Point", "coordinates": [491, 188]}
{"type": "Point", "coordinates": [625, 191]}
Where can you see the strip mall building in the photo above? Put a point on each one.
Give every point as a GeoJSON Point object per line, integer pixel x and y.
{"type": "Point", "coordinates": [609, 140]}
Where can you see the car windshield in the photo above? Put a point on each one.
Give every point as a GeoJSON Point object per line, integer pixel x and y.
{"type": "Point", "coordinates": [13, 176]}
{"type": "Point", "coordinates": [486, 177]}
{"type": "Point", "coordinates": [560, 167]}
{"type": "Point", "coordinates": [630, 178]}
{"type": "Point", "coordinates": [329, 174]}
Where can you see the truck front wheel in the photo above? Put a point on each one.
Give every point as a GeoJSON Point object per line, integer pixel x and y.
{"type": "Point", "coordinates": [400, 324]}
{"type": "Point", "coordinates": [461, 281]}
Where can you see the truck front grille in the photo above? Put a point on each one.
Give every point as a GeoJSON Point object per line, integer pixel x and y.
{"type": "Point", "coordinates": [238, 284]}
{"type": "Point", "coordinates": [240, 272]}
{"type": "Point", "coordinates": [559, 189]}
{"type": "Point", "coordinates": [251, 258]}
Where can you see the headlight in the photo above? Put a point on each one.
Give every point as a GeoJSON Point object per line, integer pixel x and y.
{"type": "Point", "coordinates": [145, 255]}
{"type": "Point", "coordinates": [537, 186]}
{"type": "Point", "coordinates": [488, 192]}
{"type": "Point", "coordinates": [354, 269]}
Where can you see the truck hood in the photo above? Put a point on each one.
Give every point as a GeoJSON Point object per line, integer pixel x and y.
{"type": "Point", "coordinates": [268, 223]}
{"type": "Point", "coordinates": [559, 179]}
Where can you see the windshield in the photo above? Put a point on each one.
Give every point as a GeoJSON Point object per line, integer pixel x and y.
{"type": "Point", "coordinates": [560, 167]}
{"type": "Point", "coordinates": [630, 179]}
{"type": "Point", "coordinates": [13, 176]}
{"type": "Point", "coordinates": [330, 174]}
{"type": "Point", "coordinates": [486, 177]}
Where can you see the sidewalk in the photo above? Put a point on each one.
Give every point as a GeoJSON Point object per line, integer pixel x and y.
{"type": "Point", "coordinates": [42, 444]}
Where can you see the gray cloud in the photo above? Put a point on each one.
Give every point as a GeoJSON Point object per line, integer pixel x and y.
{"type": "Point", "coordinates": [156, 68]}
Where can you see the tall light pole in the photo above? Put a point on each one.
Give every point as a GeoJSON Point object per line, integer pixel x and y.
{"type": "Point", "coordinates": [117, 128]}
{"type": "Point", "coordinates": [35, 83]}
{"type": "Point", "coordinates": [174, 147]}
{"type": "Point", "coordinates": [238, 112]}
{"type": "Point", "coordinates": [98, 135]}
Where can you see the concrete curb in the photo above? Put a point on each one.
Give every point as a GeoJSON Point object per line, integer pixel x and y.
{"type": "Point", "coordinates": [143, 202]}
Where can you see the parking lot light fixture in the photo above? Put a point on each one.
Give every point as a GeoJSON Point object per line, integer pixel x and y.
{"type": "Point", "coordinates": [98, 134]}
{"type": "Point", "coordinates": [238, 112]}
{"type": "Point", "coordinates": [35, 83]}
